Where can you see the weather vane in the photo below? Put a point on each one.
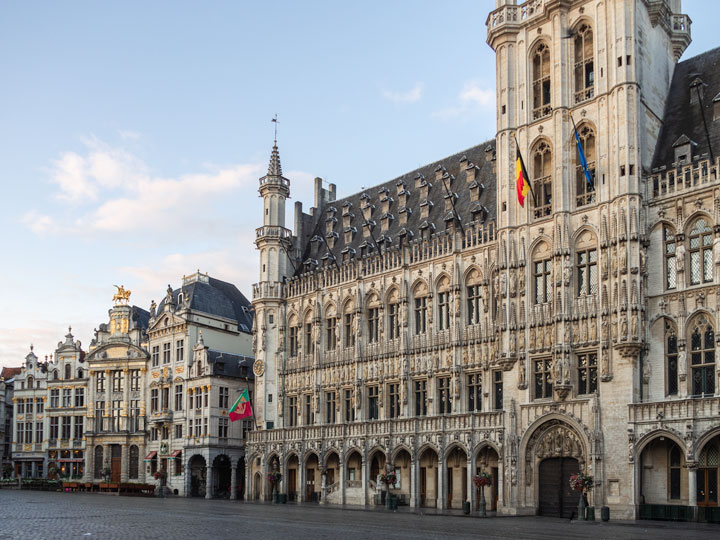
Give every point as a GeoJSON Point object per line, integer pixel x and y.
{"type": "Point", "coordinates": [276, 122]}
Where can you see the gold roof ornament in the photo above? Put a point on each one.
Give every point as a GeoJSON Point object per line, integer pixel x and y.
{"type": "Point", "coordinates": [122, 296]}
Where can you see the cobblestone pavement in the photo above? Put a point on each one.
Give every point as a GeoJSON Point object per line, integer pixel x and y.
{"type": "Point", "coordinates": [44, 515]}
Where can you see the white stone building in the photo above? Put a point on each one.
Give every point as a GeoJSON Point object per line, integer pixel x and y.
{"type": "Point", "coordinates": [433, 326]}
{"type": "Point", "coordinates": [30, 421]}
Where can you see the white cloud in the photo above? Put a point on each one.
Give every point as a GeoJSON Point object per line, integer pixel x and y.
{"type": "Point", "coordinates": [472, 99]}
{"type": "Point", "coordinates": [411, 96]}
{"type": "Point", "coordinates": [37, 223]}
{"type": "Point", "coordinates": [127, 134]}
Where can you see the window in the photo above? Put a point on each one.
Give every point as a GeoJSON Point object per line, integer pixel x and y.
{"type": "Point", "coordinates": [178, 397]}
{"type": "Point", "coordinates": [542, 183]}
{"type": "Point", "coordinates": [671, 354]}
{"type": "Point", "coordinates": [99, 411]}
{"type": "Point", "coordinates": [585, 190]}
{"type": "Point", "coordinates": [587, 281]}
{"type": "Point", "coordinates": [373, 324]}
{"type": "Point", "coordinates": [444, 403]}
{"type": "Point", "coordinates": [675, 468]}
{"type": "Point", "coordinates": [198, 428]}
{"type": "Point", "coordinates": [134, 418]}
{"type": "Point", "coordinates": [421, 398]}
{"type": "Point", "coordinates": [154, 400]}
{"type": "Point", "coordinates": [292, 411]}
{"type": "Point", "coordinates": [308, 338]}
{"type": "Point", "coordinates": [116, 415]}
{"type": "Point", "coordinates": [701, 259]}
{"type": "Point", "coordinates": [65, 428]}
{"type": "Point", "coordinates": [79, 397]}
{"type": "Point", "coordinates": [179, 350]}
{"type": "Point", "coordinates": [702, 358]}
{"type": "Point", "coordinates": [100, 381]}
{"type": "Point", "coordinates": [99, 463]}
{"type": "Point", "coordinates": [165, 433]}
{"type": "Point", "coordinates": [135, 379]}
{"type": "Point", "coordinates": [497, 390]}
{"type": "Point", "coordinates": [393, 321]}
{"type": "Point", "coordinates": [165, 394]}
{"type": "Point", "coordinates": [223, 397]}
{"type": "Point", "coordinates": [20, 406]}
{"type": "Point", "coordinates": [198, 398]}
{"type": "Point", "coordinates": [54, 399]}
{"type": "Point", "coordinates": [205, 396]}
{"type": "Point", "coordinates": [30, 381]}
{"type": "Point", "coordinates": [38, 432]}
{"type": "Point", "coordinates": [348, 329]}
{"type": "Point", "coordinates": [67, 397]}
{"type": "Point", "coordinates": [587, 373]}
{"type": "Point", "coordinates": [473, 304]}
{"type": "Point", "coordinates": [29, 432]}
{"type": "Point", "coordinates": [68, 373]}
{"type": "Point", "coordinates": [117, 381]}
{"type": "Point", "coordinates": [373, 412]}
{"type": "Point", "coordinates": [543, 285]}
{"type": "Point", "coordinates": [293, 340]}
{"type": "Point", "coordinates": [54, 429]}
{"type": "Point", "coordinates": [420, 315]}
{"type": "Point", "coordinates": [222, 428]}
{"type": "Point", "coordinates": [309, 417]}
{"type": "Point", "coordinates": [331, 333]}
{"type": "Point", "coordinates": [166, 353]}
{"type": "Point", "coordinates": [79, 426]}
{"type": "Point", "coordinates": [393, 400]}
{"type": "Point", "coordinates": [29, 406]}
{"type": "Point", "coordinates": [541, 81]}
{"type": "Point", "coordinates": [178, 431]}
{"type": "Point", "coordinates": [584, 70]}
{"type": "Point", "coordinates": [543, 378]}
{"type": "Point", "coordinates": [39, 405]}
{"type": "Point", "coordinates": [154, 434]}
{"type": "Point", "coordinates": [330, 405]}
{"type": "Point", "coordinates": [670, 261]}
{"type": "Point", "coordinates": [155, 356]}
{"type": "Point", "coordinates": [474, 392]}
{"type": "Point", "coordinates": [205, 427]}
{"type": "Point", "coordinates": [349, 409]}
{"type": "Point", "coordinates": [133, 466]}
{"type": "Point", "coordinates": [443, 310]}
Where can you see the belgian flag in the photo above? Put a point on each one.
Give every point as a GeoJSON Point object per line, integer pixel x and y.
{"type": "Point", "coordinates": [522, 180]}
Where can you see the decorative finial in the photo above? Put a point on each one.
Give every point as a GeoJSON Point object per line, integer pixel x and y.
{"type": "Point", "coordinates": [32, 347]}
{"type": "Point", "coordinates": [276, 122]}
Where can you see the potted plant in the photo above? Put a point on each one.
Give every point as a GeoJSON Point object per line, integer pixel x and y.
{"type": "Point", "coordinates": [481, 480]}
{"type": "Point", "coordinates": [388, 478]}
{"type": "Point", "coordinates": [273, 479]}
{"type": "Point", "coordinates": [583, 483]}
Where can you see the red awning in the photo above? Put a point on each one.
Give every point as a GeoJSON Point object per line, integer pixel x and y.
{"type": "Point", "coordinates": [150, 456]}
{"type": "Point", "coordinates": [175, 454]}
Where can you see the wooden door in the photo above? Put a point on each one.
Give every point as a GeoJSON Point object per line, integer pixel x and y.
{"type": "Point", "coordinates": [707, 487]}
{"type": "Point", "coordinates": [464, 483]}
{"type": "Point", "coordinates": [494, 489]}
{"type": "Point", "coordinates": [423, 485]}
{"type": "Point", "coordinates": [309, 484]}
{"type": "Point", "coordinates": [115, 463]}
{"type": "Point", "coordinates": [449, 487]}
{"type": "Point", "coordinates": [556, 499]}
{"type": "Point", "coordinates": [292, 484]}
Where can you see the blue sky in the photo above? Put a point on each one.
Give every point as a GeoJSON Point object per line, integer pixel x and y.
{"type": "Point", "coordinates": [133, 133]}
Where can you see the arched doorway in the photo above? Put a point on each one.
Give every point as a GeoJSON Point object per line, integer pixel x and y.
{"type": "Point", "coordinates": [428, 480]}
{"type": "Point", "coordinates": [660, 477]}
{"type": "Point", "coordinates": [708, 473]}
{"type": "Point", "coordinates": [403, 471]}
{"type": "Point", "coordinates": [293, 471]}
{"type": "Point", "coordinates": [487, 461]}
{"type": "Point", "coordinates": [456, 479]}
{"type": "Point", "coordinates": [332, 472]}
{"type": "Point", "coordinates": [257, 486]}
{"type": "Point", "coordinates": [241, 479]}
{"type": "Point", "coordinates": [115, 463]}
{"type": "Point", "coordinates": [312, 478]}
{"type": "Point", "coordinates": [553, 453]}
{"type": "Point", "coordinates": [198, 471]}
{"type": "Point", "coordinates": [377, 467]}
{"type": "Point", "coordinates": [222, 476]}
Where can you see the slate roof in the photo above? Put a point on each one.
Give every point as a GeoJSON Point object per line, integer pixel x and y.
{"type": "Point", "coordinates": [140, 317]}
{"type": "Point", "coordinates": [216, 298]}
{"type": "Point", "coordinates": [682, 112]}
{"type": "Point", "coordinates": [482, 210]}
{"type": "Point", "coordinates": [230, 365]}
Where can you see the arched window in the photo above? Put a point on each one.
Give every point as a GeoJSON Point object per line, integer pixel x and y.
{"type": "Point", "coordinates": [541, 81]}
{"type": "Point", "coordinates": [420, 306]}
{"type": "Point", "coordinates": [30, 381]}
{"type": "Point", "coordinates": [56, 375]}
{"type": "Point", "coordinates": [542, 178]}
{"type": "Point", "coordinates": [80, 373]}
{"type": "Point", "coordinates": [584, 190]}
{"type": "Point", "coordinates": [98, 461]}
{"type": "Point", "coordinates": [671, 359]}
{"type": "Point", "coordinates": [473, 297]}
{"type": "Point", "coordinates": [393, 308]}
{"type": "Point", "coordinates": [443, 303]}
{"type": "Point", "coordinates": [702, 358]}
{"type": "Point", "coordinates": [330, 328]}
{"type": "Point", "coordinates": [134, 460]}
{"type": "Point", "coordinates": [542, 271]}
{"type": "Point", "coordinates": [701, 259]}
{"type": "Point", "coordinates": [584, 69]}
{"type": "Point", "coordinates": [293, 337]}
{"type": "Point", "coordinates": [373, 318]}
{"type": "Point", "coordinates": [670, 261]}
{"type": "Point", "coordinates": [586, 259]}
{"type": "Point", "coordinates": [675, 459]}
{"type": "Point", "coordinates": [348, 325]}
{"type": "Point", "coordinates": [68, 372]}
{"type": "Point", "coordinates": [309, 345]}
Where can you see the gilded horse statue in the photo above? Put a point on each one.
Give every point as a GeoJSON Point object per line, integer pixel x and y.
{"type": "Point", "coordinates": [122, 295]}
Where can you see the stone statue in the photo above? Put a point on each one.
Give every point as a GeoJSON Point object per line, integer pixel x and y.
{"type": "Point", "coordinates": [716, 250]}
{"type": "Point", "coordinates": [169, 295]}
{"type": "Point", "coordinates": [680, 257]}
{"type": "Point", "coordinates": [523, 374]}
{"type": "Point", "coordinates": [153, 308]}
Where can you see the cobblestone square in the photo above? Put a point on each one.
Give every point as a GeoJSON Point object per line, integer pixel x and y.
{"type": "Point", "coordinates": [56, 516]}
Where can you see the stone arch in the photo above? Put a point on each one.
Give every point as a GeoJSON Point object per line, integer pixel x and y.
{"type": "Point", "coordinates": [420, 287]}
{"type": "Point", "coordinates": [707, 436]}
{"type": "Point", "coordinates": [692, 219]}
{"type": "Point", "coordinates": [479, 447]}
{"type": "Point", "coordinates": [649, 437]}
{"type": "Point", "coordinates": [197, 472]}
{"type": "Point", "coordinates": [428, 446]}
{"type": "Point", "coordinates": [222, 475]}
{"type": "Point", "coordinates": [443, 282]}
{"type": "Point", "coordinates": [540, 248]}
{"type": "Point", "coordinates": [456, 444]}
{"type": "Point", "coordinates": [694, 318]}
{"type": "Point", "coordinates": [473, 275]}
{"type": "Point", "coordinates": [372, 299]}
{"type": "Point", "coordinates": [392, 295]}
{"type": "Point", "coordinates": [399, 448]}
{"type": "Point", "coordinates": [330, 309]}
{"type": "Point", "coordinates": [585, 236]}
{"type": "Point", "coordinates": [309, 453]}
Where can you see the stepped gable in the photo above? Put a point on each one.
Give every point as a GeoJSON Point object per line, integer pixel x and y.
{"type": "Point", "coordinates": [421, 195]}
{"type": "Point", "coordinates": [682, 119]}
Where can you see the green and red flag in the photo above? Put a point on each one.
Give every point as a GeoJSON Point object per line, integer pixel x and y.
{"type": "Point", "coordinates": [241, 408]}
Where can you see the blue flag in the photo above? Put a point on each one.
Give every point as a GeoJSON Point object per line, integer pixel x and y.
{"type": "Point", "coordinates": [583, 161]}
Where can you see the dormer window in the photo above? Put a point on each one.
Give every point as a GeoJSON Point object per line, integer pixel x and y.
{"type": "Point", "coordinates": [425, 208]}
{"type": "Point", "coordinates": [368, 226]}
{"type": "Point", "coordinates": [684, 147]}
{"type": "Point", "coordinates": [386, 220]}
{"type": "Point", "coordinates": [419, 180]}
{"type": "Point", "coordinates": [476, 190]}
{"type": "Point", "coordinates": [349, 232]}
{"type": "Point", "coordinates": [404, 213]}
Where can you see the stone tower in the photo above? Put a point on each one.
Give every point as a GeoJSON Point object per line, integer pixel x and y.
{"type": "Point", "coordinates": [274, 241]}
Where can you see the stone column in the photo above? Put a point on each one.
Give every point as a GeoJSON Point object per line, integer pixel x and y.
{"type": "Point", "coordinates": [302, 472]}
{"type": "Point", "coordinates": [107, 460]}
{"type": "Point", "coordinates": [440, 494]}
{"type": "Point", "coordinates": [500, 490]}
{"type": "Point", "coordinates": [188, 477]}
{"type": "Point", "coordinates": [89, 462]}
{"type": "Point", "coordinates": [248, 478]}
{"type": "Point", "coordinates": [470, 485]}
{"type": "Point", "coordinates": [692, 484]}
{"type": "Point", "coordinates": [233, 481]}
{"type": "Point", "coordinates": [209, 481]}
{"type": "Point", "coordinates": [414, 484]}
{"type": "Point", "coordinates": [124, 463]}
{"type": "Point", "coordinates": [343, 479]}
{"type": "Point", "coordinates": [365, 480]}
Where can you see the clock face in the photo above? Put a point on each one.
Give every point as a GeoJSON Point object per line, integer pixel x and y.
{"type": "Point", "coordinates": [258, 368]}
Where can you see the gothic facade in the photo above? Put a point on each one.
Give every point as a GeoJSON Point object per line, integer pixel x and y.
{"type": "Point", "coordinates": [435, 327]}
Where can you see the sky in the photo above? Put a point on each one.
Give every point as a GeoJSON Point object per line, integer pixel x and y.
{"type": "Point", "coordinates": [133, 133]}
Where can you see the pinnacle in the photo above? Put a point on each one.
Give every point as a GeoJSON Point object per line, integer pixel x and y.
{"type": "Point", "coordinates": [275, 169]}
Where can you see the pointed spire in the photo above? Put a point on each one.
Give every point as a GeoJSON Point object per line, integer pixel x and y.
{"type": "Point", "coordinates": [275, 169]}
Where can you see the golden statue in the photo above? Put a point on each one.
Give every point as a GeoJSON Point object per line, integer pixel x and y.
{"type": "Point", "coordinates": [122, 296]}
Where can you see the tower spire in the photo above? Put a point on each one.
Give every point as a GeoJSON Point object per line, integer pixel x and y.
{"type": "Point", "coordinates": [275, 169]}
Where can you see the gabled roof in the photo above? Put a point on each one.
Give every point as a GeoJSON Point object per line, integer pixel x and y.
{"type": "Point", "coordinates": [682, 120]}
{"type": "Point", "coordinates": [230, 365]}
{"type": "Point", "coordinates": [10, 372]}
